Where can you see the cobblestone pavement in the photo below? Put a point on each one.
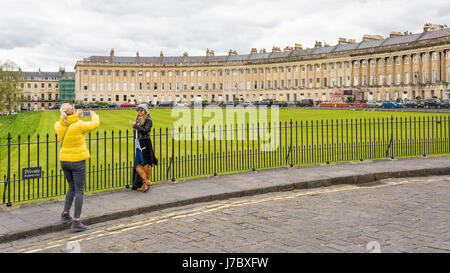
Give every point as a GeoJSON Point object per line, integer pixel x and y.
{"type": "Point", "coordinates": [392, 215]}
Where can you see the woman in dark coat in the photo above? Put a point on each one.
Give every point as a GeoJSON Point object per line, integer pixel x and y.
{"type": "Point", "coordinates": [145, 155]}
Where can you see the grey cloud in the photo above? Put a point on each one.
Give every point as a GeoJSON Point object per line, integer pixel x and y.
{"type": "Point", "coordinates": [74, 29]}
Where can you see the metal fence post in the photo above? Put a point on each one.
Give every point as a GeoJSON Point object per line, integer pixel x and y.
{"type": "Point", "coordinates": [9, 172]}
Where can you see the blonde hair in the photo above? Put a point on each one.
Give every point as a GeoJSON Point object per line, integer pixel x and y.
{"type": "Point", "coordinates": [143, 119]}
{"type": "Point", "coordinates": [66, 110]}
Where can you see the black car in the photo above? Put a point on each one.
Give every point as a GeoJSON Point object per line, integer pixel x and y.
{"type": "Point", "coordinates": [166, 104]}
{"type": "Point", "coordinates": [54, 107]}
{"type": "Point", "coordinates": [432, 103]}
{"type": "Point", "coordinates": [93, 106]}
{"type": "Point", "coordinates": [412, 104]}
{"type": "Point", "coordinates": [79, 106]}
{"type": "Point", "coordinates": [112, 105]}
{"type": "Point", "coordinates": [305, 102]}
{"type": "Point", "coordinates": [149, 104]}
{"type": "Point", "coordinates": [267, 102]}
{"type": "Point", "coordinates": [281, 103]}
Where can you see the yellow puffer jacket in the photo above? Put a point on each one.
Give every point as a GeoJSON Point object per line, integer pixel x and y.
{"type": "Point", "coordinates": [74, 147]}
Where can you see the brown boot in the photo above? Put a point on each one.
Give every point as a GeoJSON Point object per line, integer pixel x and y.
{"type": "Point", "coordinates": [145, 182]}
{"type": "Point", "coordinates": [147, 174]}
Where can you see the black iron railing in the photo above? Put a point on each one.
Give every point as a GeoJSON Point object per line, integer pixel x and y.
{"type": "Point", "coordinates": [201, 151]}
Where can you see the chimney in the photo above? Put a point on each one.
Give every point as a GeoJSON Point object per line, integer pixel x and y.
{"type": "Point", "coordinates": [276, 49]}
{"type": "Point", "coordinates": [351, 41]}
{"type": "Point", "coordinates": [325, 44]}
{"type": "Point", "coordinates": [161, 56]}
{"type": "Point", "coordinates": [253, 51]}
{"type": "Point", "coordinates": [342, 41]}
{"type": "Point", "coordinates": [288, 48]}
{"type": "Point", "coordinates": [395, 34]}
{"type": "Point", "coordinates": [209, 52]}
{"type": "Point", "coordinates": [262, 50]}
{"type": "Point", "coordinates": [298, 46]}
{"type": "Point", "coordinates": [368, 37]}
{"type": "Point", "coordinates": [111, 55]}
{"type": "Point", "coordinates": [318, 44]}
{"type": "Point", "coordinates": [137, 56]}
{"type": "Point", "coordinates": [231, 52]}
{"type": "Point", "coordinates": [185, 54]}
{"type": "Point", "coordinates": [432, 27]}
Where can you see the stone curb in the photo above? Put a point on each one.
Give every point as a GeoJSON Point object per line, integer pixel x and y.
{"type": "Point", "coordinates": [353, 179]}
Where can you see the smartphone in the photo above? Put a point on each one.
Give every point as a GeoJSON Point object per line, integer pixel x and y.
{"type": "Point", "coordinates": [86, 113]}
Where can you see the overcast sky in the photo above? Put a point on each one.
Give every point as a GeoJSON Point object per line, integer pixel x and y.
{"type": "Point", "coordinates": [53, 33]}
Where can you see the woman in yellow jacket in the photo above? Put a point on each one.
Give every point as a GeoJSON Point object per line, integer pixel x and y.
{"type": "Point", "coordinates": [73, 154]}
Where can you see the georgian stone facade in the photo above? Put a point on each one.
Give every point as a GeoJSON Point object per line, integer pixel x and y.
{"type": "Point", "coordinates": [402, 66]}
{"type": "Point", "coordinates": [41, 89]}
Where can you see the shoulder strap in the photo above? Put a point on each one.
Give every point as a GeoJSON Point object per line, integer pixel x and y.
{"type": "Point", "coordinates": [64, 135]}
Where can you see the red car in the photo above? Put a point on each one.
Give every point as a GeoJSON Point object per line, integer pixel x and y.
{"type": "Point", "coordinates": [128, 105]}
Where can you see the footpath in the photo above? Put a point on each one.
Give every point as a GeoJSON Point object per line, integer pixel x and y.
{"type": "Point", "coordinates": [41, 217]}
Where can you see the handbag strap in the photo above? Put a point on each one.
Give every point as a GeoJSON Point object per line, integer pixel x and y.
{"type": "Point", "coordinates": [62, 140]}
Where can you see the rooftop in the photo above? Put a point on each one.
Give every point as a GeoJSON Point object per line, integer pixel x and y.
{"type": "Point", "coordinates": [369, 41]}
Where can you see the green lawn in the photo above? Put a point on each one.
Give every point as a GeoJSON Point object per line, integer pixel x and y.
{"type": "Point", "coordinates": [316, 136]}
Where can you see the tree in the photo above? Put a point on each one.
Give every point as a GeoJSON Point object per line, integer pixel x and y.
{"type": "Point", "coordinates": [11, 78]}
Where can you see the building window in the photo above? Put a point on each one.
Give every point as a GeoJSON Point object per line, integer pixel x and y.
{"type": "Point", "coordinates": [434, 56]}
{"type": "Point", "coordinates": [406, 60]}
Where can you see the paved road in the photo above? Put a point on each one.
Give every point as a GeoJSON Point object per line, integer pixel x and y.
{"type": "Point", "coordinates": [393, 215]}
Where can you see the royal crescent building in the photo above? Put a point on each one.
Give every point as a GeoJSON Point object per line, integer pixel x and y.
{"type": "Point", "coordinates": [401, 66]}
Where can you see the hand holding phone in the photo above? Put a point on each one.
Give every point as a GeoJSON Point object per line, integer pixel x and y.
{"type": "Point", "coordinates": [86, 113]}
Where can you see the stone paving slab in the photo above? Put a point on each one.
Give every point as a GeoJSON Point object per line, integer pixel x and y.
{"type": "Point", "coordinates": [40, 217]}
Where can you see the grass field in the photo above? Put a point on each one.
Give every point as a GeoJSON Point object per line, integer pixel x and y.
{"type": "Point", "coordinates": [316, 136]}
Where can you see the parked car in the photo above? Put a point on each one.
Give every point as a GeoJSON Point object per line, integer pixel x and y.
{"type": "Point", "coordinates": [182, 104]}
{"type": "Point", "coordinates": [413, 104]}
{"type": "Point", "coordinates": [112, 105]}
{"type": "Point", "coordinates": [55, 107]}
{"type": "Point", "coordinates": [79, 106]}
{"type": "Point", "coordinates": [244, 104]}
{"type": "Point", "coordinates": [373, 104]}
{"type": "Point", "coordinates": [149, 104]}
{"type": "Point", "coordinates": [267, 102]}
{"type": "Point", "coordinates": [428, 103]}
{"type": "Point", "coordinates": [166, 104]}
{"type": "Point", "coordinates": [401, 104]}
{"type": "Point", "coordinates": [389, 104]}
{"type": "Point", "coordinates": [128, 105]}
{"type": "Point", "coordinates": [281, 103]}
{"type": "Point", "coordinates": [229, 103]}
{"type": "Point", "coordinates": [445, 103]}
{"type": "Point", "coordinates": [305, 102]}
{"type": "Point", "coordinates": [93, 106]}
